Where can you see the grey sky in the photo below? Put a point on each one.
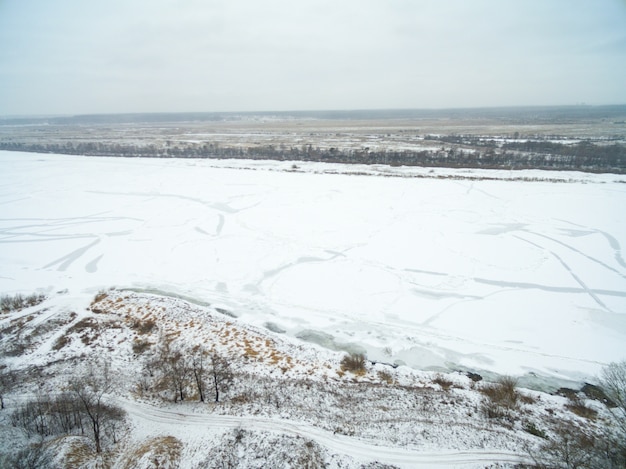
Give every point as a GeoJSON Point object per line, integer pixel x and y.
{"type": "Point", "coordinates": [96, 56]}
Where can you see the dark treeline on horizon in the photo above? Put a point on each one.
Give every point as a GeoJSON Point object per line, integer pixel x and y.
{"type": "Point", "coordinates": [489, 154]}
{"type": "Point", "coordinates": [507, 114]}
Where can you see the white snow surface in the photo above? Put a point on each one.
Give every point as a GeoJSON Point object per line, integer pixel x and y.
{"type": "Point", "coordinates": [505, 272]}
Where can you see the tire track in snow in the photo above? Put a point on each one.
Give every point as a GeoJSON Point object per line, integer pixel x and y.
{"type": "Point", "coordinates": [341, 444]}
{"type": "Point", "coordinates": [613, 242]}
{"type": "Point", "coordinates": [571, 272]}
{"type": "Point", "coordinates": [68, 259]}
{"type": "Point", "coordinates": [593, 259]}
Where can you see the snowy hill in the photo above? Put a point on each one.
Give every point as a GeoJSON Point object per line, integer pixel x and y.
{"type": "Point", "coordinates": [284, 404]}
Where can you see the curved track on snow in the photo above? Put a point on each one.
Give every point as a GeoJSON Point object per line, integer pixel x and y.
{"type": "Point", "coordinates": [361, 450]}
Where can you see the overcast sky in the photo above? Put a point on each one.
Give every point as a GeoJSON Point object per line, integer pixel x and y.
{"type": "Point", "coordinates": [97, 56]}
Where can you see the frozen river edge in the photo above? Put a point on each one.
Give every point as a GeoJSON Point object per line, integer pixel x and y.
{"type": "Point", "coordinates": [432, 268]}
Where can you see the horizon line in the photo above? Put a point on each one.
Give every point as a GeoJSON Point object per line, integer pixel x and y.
{"type": "Point", "coordinates": [312, 111]}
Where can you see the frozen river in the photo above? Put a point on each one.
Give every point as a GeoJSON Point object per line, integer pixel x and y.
{"type": "Point", "coordinates": [501, 276]}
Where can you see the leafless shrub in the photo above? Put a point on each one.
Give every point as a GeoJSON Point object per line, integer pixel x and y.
{"type": "Point", "coordinates": [613, 382]}
{"type": "Point", "coordinates": [354, 362]}
{"type": "Point", "coordinates": [503, 392]}
{"type": "Point", "coordinates": [46, 415]}
{"type": "Point", "coordinates": [493, 410]}
{"type": "Point", "coordinates": [16, 302]}
{"type": "Point", "coordinates": [501, 399]}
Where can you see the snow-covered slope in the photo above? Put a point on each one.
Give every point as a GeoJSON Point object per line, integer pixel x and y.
{"type": "Point", "coordinates": [288, 405]}
{"type": "Point", "coordinates": [432, 268]}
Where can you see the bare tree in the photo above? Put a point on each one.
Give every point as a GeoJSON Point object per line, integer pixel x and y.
{"type": "Point", "coordinates": [32, 456]}
{"type": "Point", "coordinates": [199, 370]}
{"type": "Point", "coordinates": [571, 448]}
{"type": "Point", "coordinates": [574, 447]}
{"type": "Point", "coordinates": [613, 382]}
{"type": "Point", "coordinates": [91, 390]}
{"type": "Point", "coordinates": [33, 416]}
{"type": "Point", "coordinates": [175, 368]}
{"type": "Point", "coordinates": [8, 380]}
{"type": "Point", "coordinates": [5, 384]}
{"type": "Point", "coordinates": [67, 413]}
{"type": "Point", "coordinates": [221, 374]}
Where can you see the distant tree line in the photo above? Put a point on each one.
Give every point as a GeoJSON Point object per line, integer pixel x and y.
{"type": "Point", "coordinates": [483, 153]}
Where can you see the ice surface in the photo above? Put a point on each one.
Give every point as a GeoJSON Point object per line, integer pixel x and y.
{"type": "Point", "coordinates": [506, 276]}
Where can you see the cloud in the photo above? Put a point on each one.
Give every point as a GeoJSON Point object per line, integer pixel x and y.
{"type": "Point", "coordinates": [73, 56]}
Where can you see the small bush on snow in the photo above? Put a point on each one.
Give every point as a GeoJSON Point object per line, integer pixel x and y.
{"type": "Point", "coordinates": [503, 392]}
{"type": "Point", "coordinates": [16, 302]}
{"type": "Point", "coordinates": [355, 363]}
{"type": "Point", "coordinates": [501, 398]}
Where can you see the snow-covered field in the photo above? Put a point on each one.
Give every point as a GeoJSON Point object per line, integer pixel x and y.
{"type": "Point", "coordinates": [504, 276]}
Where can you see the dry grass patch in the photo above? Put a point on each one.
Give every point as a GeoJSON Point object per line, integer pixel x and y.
{"type": "Point", "coordinates": [96, 305]}
{"type": "Point", "coordinates": [249, 351]}
{"type": "Point", "coordinates": [143, 326]}
{"type": "Point", "coordinates": [163, 452]}
{"type": "Point", "coordinates": [140, 346]}
{"type": "Point", "coordinates": [87, 328]}
{"type": "Point", "coordinates": [275, 357]}
{"type": "Point", "coordinates": [580, 408]}
{"type": "Point", "coordinates": [78, 452]}
{"type": "Point", "coordinates": [527, 399]}
{"type": "Point", "coordinates": [443, 382]}
{"type": "Point", "coordinates": [503, 392]}
{"type": "Point", "coordinates": [61, 342]}
{"type": "Point", "coordinates": [385, 377]}
{"type": "Point", "coordinates": [501, 399]}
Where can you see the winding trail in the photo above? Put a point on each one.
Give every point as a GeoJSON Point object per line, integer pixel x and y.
{"type": "Point", "coordinates": [362, 450]}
